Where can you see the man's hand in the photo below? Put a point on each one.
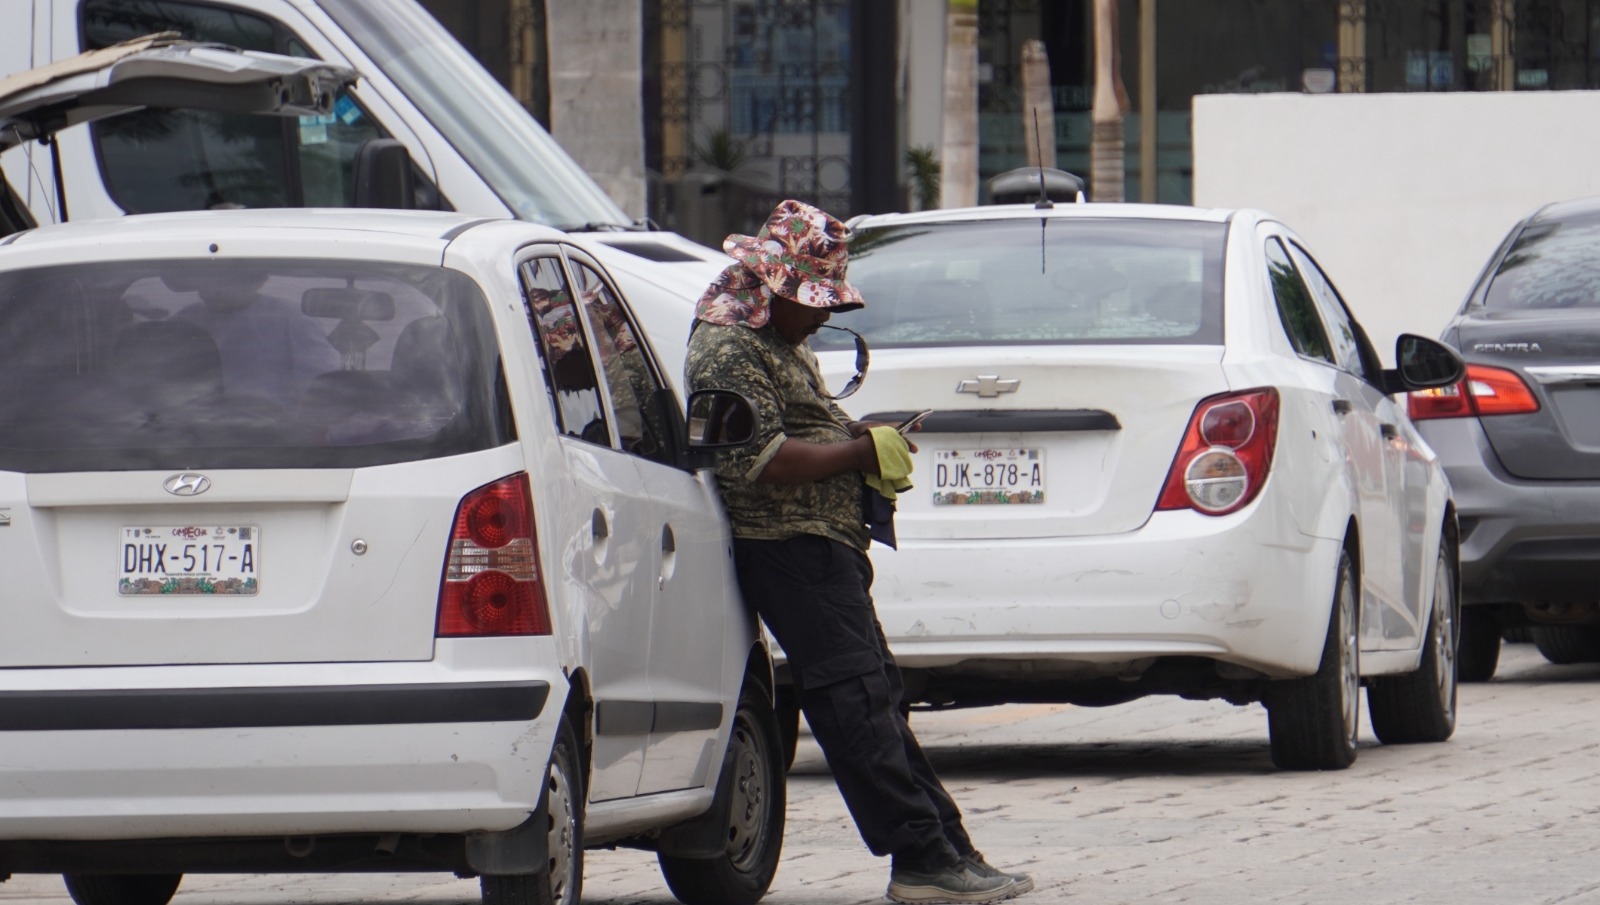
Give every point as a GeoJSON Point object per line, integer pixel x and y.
{"type": "Point", "coordinates": [803, 462]}
{"type": "Point", "coordinates": [860, 428]}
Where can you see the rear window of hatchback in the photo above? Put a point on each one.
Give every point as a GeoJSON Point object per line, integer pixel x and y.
{"type": "Point", "coordinates": [260, 363]}
{"type": "Point", "coordinates": [1036, 281]}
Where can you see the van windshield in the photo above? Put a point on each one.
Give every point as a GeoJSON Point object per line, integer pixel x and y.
{"type": "Point", "coordinates": [515, 156]}
{"type": "Point", "coordinates": [259, 363]}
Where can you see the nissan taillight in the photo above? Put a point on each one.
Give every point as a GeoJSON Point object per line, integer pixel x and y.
{"type": "Point", "coordinates": [492, 583]}
{"type": "Point", "coordinates": [1226, 452]}
{"type": "Point", "coordinates": [1483, 391]}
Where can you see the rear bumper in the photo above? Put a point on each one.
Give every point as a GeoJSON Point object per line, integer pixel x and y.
{"type": "Point", "coordinates": [209, 752]}
{"type": "Point", "coordinates": [256, 708]}
{"type": "Point", "coordinates": [1247, 589]}
{"type": "Point", "coordinates": [1521, 541]}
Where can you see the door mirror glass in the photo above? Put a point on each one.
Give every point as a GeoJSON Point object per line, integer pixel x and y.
{"type": "Point", "coordinates": [1426, 363]}
{"type": "Point", "coordinates": [720, 419]}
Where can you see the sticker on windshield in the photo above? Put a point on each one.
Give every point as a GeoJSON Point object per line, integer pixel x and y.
{"type": "Point", "coordinates": [314, 129]}
{"type": "Point", "coordinates": [347, 110]}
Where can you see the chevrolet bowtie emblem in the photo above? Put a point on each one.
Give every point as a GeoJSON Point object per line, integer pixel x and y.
{"type": "Point", "coordinates": [987, 386]}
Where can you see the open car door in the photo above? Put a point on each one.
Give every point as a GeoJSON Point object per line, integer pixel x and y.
{"type": "Point", "coordinates": [157, 71]}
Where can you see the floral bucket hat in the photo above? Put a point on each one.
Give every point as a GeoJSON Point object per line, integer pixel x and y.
{"type": "Point", "coordinates": [800, 253]}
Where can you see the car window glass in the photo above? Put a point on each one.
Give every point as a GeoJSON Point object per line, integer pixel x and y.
{"type": "Point", "coordinates": [632, 386]}
{"type": "Point", "coordinates": [492, 133]}
{"type": "Point", "coordinates": [167, 160]}
{"type": "Point", "coordinates": [1346, 345]}
{"type": "Point", "coordinates": [1295, 308]}
{"type": "Point", "coordinates": [569, 372]}
{"type": "Point", "coordinates": [262, 363]}
{"type": "Point", "coordinates": [1035, 281]}
{"type": "Point", "coordinates": [1550, 265]}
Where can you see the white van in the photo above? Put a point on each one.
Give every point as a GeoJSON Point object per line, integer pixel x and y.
{"type": "Point", "coordinates": [474, 148]}
{"type": "Point", "coordinates": [363, 541]}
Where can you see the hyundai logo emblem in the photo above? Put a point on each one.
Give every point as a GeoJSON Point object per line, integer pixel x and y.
{"type": "Point", "coordinates": [186, 484]}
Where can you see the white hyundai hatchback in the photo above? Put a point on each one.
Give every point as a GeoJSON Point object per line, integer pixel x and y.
{"type": "Point", "coordinates": [361, 541]}
{"type": "Point", "coordinates": [1162, 459]}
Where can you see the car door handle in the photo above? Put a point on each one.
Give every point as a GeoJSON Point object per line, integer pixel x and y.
{"type": "Point", "coordinates": [1389, 431]}
{"type": "Point", "coordinates": [669, 556]}
{"type": "Point", "coordinates": [1341, 407]}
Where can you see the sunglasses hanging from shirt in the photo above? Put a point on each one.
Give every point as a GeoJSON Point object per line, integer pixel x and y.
{"type": "Point", "coordinates": [862, 359]}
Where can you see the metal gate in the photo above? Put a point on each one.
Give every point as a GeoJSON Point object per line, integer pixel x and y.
{"type": "Point", "coordinates": [754, 108]}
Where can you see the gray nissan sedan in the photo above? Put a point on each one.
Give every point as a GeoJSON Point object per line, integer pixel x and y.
{"type": "Point", "coordinates": [1519, 437]}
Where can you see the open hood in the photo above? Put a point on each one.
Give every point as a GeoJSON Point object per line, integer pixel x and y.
{"type": "Point", "coordinates": [163, 71]}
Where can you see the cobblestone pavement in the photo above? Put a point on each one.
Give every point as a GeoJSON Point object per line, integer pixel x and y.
{"type": "Point", "coordinates": [1165, 801]}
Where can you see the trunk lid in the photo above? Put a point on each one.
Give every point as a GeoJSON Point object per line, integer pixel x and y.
{"type": "Point", "coordinates": [297, 532]}
{"type": "Point", "coordinates": [1079, 439]}
{"type": "Point", "coordinates": [1557, 353]}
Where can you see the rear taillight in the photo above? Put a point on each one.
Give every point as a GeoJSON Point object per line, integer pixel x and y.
{"type": "Point", "coordinates": [1484, 391]}
{"type": "Point", "coordinates": [1226, 452]}
{"type": "Point", "coordinates": [492, 584]}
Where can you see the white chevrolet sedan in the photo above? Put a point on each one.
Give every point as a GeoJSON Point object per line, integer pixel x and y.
{"type": "Point", "coordinates": [1162, 459]}
{"type": "Point", "coordinates": [360, 540]}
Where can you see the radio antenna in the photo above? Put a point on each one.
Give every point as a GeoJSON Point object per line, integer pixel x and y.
{"type": "Point", "coordinates": [1044, 202]}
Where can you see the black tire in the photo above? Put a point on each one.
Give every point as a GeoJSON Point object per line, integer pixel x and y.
{"type": "Point", "coordinates": [1517, 634]}
{"type": "Point", "coordinates": [1312, 722]}
{"type": "Point", "coordinates": [122, 889]}
{"type": "Point", "coordinates": [1568, 643]}
{"type": "Point", "coordinates": [787, 711]}
{"type": "Point", "coordinates": [1420, 706]}
{"type": "Point", "coordinates": [742, 874]}
{"type": "Point", "coordinates": [1479, 654]}
{"type": "Point", "coordinates": [561, 881]}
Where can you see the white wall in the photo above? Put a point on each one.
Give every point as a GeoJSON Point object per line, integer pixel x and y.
{"type": "Point", "coordinates": [1402, 197]}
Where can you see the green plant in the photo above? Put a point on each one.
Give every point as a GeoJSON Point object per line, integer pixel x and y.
{"type": "Point", "coordinates": [720, 151]}
{"type": "Point", "coordinates": [925, 175]}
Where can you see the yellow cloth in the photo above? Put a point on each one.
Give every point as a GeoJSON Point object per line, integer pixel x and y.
{"type": "Point", "coordinates": [894, 462]}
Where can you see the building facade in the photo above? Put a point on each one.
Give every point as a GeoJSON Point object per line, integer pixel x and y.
{"type": "Point", "coordinates": [747, 102]}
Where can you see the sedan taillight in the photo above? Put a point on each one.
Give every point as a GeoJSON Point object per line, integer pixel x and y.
{"type": "Point", "coordinates": [491, 582]}
{"type": "Point", "coordinates": [1225, 455]}
{"type": "Point", "coordinates": [1483, 391]}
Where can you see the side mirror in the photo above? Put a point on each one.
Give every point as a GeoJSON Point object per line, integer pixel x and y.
{"type": "Point", "coordinates": [383, 175]}
{"type": "Point", "coordinates": [1423, 364]}
{"type": "Point", "coordinates": [720, 419]}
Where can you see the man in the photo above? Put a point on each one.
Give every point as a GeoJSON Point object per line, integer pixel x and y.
{"type": "Point", "coordinates": [794, 498]}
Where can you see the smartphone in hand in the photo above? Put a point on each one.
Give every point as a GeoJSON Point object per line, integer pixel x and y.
{"type": "Point", "coordinates": [906, 426]}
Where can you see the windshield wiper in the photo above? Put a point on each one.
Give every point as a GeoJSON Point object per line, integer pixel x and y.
{"type": "Point", "coordinates": [595, 226]}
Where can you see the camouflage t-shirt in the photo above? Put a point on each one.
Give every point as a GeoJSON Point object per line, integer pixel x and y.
{"type": "Point", "coordinates": [782, 381]}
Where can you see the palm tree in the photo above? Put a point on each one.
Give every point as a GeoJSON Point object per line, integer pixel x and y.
{"type": "Point", "coordinates": [959, 185]}
{"type": "Point", "coordinates": [1038, 105]}
{"type": "Point", "coordinates": [1110, 105]}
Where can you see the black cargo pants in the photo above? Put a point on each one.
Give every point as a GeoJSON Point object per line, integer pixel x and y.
{"type": "Point", "coordinates": [814, 595]}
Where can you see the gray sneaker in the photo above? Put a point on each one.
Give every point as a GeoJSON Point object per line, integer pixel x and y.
{"type": "Point", "coordinates": [974, 862]}
{"type": "Point", "coordinates": [956, 884]}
